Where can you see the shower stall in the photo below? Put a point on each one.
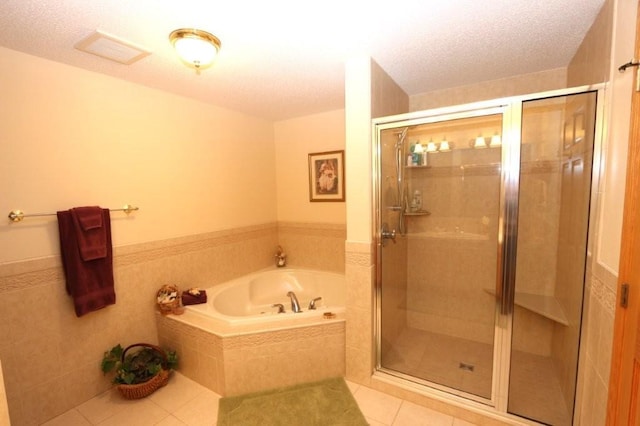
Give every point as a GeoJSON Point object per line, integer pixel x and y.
{"type": "Point", "coordinates": [482, 224]}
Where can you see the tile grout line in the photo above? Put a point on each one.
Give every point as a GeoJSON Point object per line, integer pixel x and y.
{"type": "Point", "coordinates": [395, 417]}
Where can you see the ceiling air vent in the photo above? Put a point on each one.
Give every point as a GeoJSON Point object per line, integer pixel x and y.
{"type": "Point", "coordinates": [112, 48]}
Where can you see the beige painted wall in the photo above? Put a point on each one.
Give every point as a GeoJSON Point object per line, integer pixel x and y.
{"type": "Point", "coordinates": [370, 93]}
{"type": "Point", "coordinates": [203, 177]}
{"type": "Point", "coordinates": [358, 139]}
{"type": "Point", "coordinates": [72, 137]}
{"type": "Point", "coordinates": [294, 140]}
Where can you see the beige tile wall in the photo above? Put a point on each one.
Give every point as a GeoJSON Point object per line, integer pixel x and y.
{"type": "Point", "coordinates": [40, 327]}
{"type": "Point", "coordinates": [595, 351]}
{"type": "Point", "coordinates": [51, 358]}
{"type": "Point", "coordinates": [518, 85]}
{"type": "Point", "coordinates": [285, 357]}
{"type": "Point", "coordinates": [591, 64]}
{"type": "Point", "coordinates": [360, 344]}
{"type": "Point", "coordinates": [359, 256]}
{"type": "Point", "coordinates": [360, 347]}
{"type": "Point", "coordinates": [394, 269]}
{"type": "Point", "coordinates": [442, 297]}
{"type": "Point", "coordinates": [313, 245]}
{"type": "Point", "coordinates": [258, 361]}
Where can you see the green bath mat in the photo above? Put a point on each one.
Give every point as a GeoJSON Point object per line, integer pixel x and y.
{"type": "Point", "coordinates": [327, 403]}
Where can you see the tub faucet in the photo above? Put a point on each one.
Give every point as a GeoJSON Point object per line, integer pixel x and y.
{"type": "Point", "coordinates": [295, 306]}
{"type": "Point", "coordinates": [312, 302]}
{"type": "Point", "coordinates": [280, 307]}
{"type": "Point", "coordinates": [281, 258]}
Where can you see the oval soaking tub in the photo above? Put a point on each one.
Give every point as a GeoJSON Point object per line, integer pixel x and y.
{"type": "Point", "coordinates": [250, 299]}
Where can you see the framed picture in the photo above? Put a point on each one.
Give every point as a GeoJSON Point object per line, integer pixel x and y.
{"type": "Point", "coordinates": [326, 176]}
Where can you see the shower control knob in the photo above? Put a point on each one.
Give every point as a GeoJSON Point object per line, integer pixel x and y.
{"type": "Point", "coordinates": [387, 234]}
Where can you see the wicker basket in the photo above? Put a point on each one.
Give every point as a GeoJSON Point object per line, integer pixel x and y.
{"type": "Point", "coordinates": [172, 307]}
{"type": "Point", "coordinates": [141, 390]}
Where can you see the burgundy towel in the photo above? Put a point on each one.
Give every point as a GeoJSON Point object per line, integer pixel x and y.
{"type": "Point", "coordinates": [91, 235]}
{"type": "Point", "coordinates": [89, 282]}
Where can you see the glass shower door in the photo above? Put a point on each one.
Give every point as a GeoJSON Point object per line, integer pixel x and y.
{"type": "Point", "coordinates": [440, 190]}
{"type": "Point", "coordinates": [484, 218]}
{"type": "Point", "coordinates": [555, 187]}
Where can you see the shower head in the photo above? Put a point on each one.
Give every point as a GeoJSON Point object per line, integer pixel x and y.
{"type": "Point", "coordinates": [401, 137]}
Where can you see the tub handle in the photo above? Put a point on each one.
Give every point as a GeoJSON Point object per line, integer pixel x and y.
{"type": "Point", "coordinates": [312, 302]}
{"type": "Point", "coordinates": [280, 307]}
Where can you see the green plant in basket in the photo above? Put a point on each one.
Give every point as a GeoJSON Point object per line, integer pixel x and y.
{"type": "Point", "coordinates": [138, 367]}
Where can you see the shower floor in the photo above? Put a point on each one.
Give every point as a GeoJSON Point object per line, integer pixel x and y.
{"type": "Point", "coordinates": [467, 365]}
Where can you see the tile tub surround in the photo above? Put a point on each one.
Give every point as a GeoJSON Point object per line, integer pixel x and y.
{"type": "Point", "coordinates": [313, 245]}
{"type": "Point", "coordinates": [233, 360]}
{"type": "Point", "coordinates": [40, 329]}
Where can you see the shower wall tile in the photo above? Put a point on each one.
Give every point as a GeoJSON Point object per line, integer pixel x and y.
{"type": "Point", "coordinates": [536, 335]}
{"type": "Point", "coordinates": [39, 326]}
{"type": "Point", "coordinates": [313, 245]}
{"type": "Point", "coordinates": [429, 274]}
{"type": "Point", "coordinates": [591, 64]}
{"type": "Point", "coordinates": [518, 85]}
{"type": "Point", "coordinates": [596, 350]}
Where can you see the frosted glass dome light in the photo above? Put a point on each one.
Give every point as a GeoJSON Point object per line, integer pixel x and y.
{"type": "Point", "coordinates": [197, 48]}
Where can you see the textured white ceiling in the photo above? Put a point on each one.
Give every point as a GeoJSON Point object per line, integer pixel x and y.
{"type": "Point", "coordinates": [285, 58]}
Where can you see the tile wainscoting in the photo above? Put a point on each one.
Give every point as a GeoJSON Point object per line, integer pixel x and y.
{"type": "Point", "coordinates": [51, 358]}
{"type": "Point", "coordinates": [256, 361]}
{"type": "Point", "coordinates": [63, 352]}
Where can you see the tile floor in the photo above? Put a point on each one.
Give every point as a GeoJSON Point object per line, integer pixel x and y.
{"type": "Point", "coordinates": [185, 402]}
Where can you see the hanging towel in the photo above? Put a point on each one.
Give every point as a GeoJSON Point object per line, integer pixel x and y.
{"type": "Point", "coordinates": [91, 235]}
{"type": "Point", "coordinates": [85, 246]}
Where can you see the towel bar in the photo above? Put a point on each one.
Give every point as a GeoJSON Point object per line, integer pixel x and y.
{"type": "Point", "coordinates": [18, 215]}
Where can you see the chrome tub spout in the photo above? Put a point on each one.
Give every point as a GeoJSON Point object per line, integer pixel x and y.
{"type": "Point", "coordinates": [295, 305]}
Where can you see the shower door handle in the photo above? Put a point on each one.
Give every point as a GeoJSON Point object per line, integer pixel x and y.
{"type": "Point", "coordinates": [386, 234]}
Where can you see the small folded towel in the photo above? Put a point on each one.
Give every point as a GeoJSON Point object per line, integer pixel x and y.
{"type": "Point", "coordinates": [89, 282]}
{"type": "Point", "coordinates": [194, 299]}
{"type": "Point", "coordinates": [90, 233]}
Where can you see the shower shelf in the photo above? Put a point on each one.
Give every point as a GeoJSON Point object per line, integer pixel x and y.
{"type": "Point", "coordinates": [547, 306]}
{"type": "Point", "coordinates": [418, 213]}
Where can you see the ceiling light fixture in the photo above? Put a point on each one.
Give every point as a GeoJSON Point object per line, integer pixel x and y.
{"type": "Point", "coordinates": [197, 48]}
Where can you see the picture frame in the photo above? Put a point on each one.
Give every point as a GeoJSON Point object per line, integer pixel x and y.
{"type": "Point", "coordinates": [326, 176]}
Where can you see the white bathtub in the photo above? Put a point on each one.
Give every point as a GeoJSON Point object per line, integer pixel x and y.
{"type": "Point", "coordinates": [250, 299]}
